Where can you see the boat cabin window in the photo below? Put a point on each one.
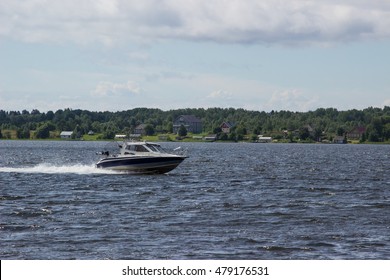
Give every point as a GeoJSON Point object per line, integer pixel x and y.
{"type": "Point", "coordinates": [130, 147]}
{"type": "Point", "coordinates": [144, 148]}
{"type": "Point", "coordinates": [137, 148]}
{"type": "Point", "coordinates": [154, 148]}
{"type": "Point", "coordinates": [140, 148]}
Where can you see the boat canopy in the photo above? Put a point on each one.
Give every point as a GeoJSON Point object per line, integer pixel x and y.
{"type": "Point", "coordinates": [143, 147]}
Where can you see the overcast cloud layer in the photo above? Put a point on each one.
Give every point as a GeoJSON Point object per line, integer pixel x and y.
{"type": "Point", "coordinates": [236, 21]}
{"type": "Point", "coordinates": [253, 54]}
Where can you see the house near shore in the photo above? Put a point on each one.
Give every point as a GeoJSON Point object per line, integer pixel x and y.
{"type": "Point", "coordinates": [140, 129]}
{"type": "Point", "coordinates": [356, 133]}
{"type": "Point", "coordinates": [264, 139]}
{"type": "Point", "coordinates": [66, 134]}
{"type": "Point", "coordinates": [339, 140]}
{"type": "Point", "coordinates": [226, 127]}
{"type": "Point", "coordinates": [190, 122]}
{"type": "Point", "coordinates": [210, 138]}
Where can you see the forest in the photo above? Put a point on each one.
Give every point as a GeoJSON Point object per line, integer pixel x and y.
{"type": "Point", "coordinates": [324, 123]}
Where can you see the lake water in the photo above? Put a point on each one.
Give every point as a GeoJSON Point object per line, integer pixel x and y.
{"type": "Point", "coordinates": [226, 201]}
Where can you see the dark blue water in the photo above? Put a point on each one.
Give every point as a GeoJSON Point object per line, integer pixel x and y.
{"type": "Point", "coordinates": [227, 201]}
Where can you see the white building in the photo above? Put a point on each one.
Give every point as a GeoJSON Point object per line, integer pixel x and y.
{"type": "Point", "coordinates": [264, 139]}
{"type": "Point", "coordinates": [66, 134]}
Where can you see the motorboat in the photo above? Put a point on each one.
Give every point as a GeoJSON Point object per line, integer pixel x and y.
{"type": "Point", "coordinates": [142, 158]}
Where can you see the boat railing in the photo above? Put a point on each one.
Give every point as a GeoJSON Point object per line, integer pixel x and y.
{"type": "Point", "coordinates": [180, 151]}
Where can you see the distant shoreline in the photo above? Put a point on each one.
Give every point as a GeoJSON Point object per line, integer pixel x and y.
{"type": "Point", "coordinates": [148, 139]}
{"type": "Point", "coordinates": [234, 125]}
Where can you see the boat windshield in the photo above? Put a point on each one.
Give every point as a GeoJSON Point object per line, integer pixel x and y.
{"type": "Point", "coordinates": [137, 148]}
{"type": "Point", "coordinates": [144, 148]}
{"type": "Point", "coordinates": [154, 148]}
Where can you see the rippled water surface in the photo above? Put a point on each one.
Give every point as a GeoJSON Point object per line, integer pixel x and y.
{"type": "Point", "coordinates": [226, 201]}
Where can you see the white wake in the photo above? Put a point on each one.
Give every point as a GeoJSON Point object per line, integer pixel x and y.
{"type": "Point", "coordinates": [56, 169]}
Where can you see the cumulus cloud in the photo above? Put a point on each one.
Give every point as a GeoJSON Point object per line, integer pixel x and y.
{"type": "Point", "coordinates": [386, 103]}
{"type": "Point", "coordinates": [107, 89]}
{"type": "Point", "coordinates": [109, 22]}
{"type": "Point", "coordinates": [220, 94]}
{"type": "Point", "coordinates": [292, 100]}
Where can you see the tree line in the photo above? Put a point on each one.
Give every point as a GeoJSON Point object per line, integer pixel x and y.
{"type": "Point", "coordinates": [325, 122]}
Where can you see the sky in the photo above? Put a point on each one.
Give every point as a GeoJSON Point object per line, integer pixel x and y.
{"type": "Point", "coordinates": [261, 55]}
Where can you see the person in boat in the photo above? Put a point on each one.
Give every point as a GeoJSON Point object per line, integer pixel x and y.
{"type": "Point", "coordinates": [104, 153]}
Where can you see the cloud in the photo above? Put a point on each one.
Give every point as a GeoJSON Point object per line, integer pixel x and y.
{"type": "Point", "coordinates": [110, 22]}
{"type": "Point", "coordinates": [220, 94]}
{"type": "Point", "coordinates": [221, 98]}
{"type": "Point", "coordinates": [291, 100]}
{"type": "Point", "coordinates": [386, 103]}
{"type": "Point", "coordinates": [138, 56]}
{"type": "Point", "coordinates": [108, 89]}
